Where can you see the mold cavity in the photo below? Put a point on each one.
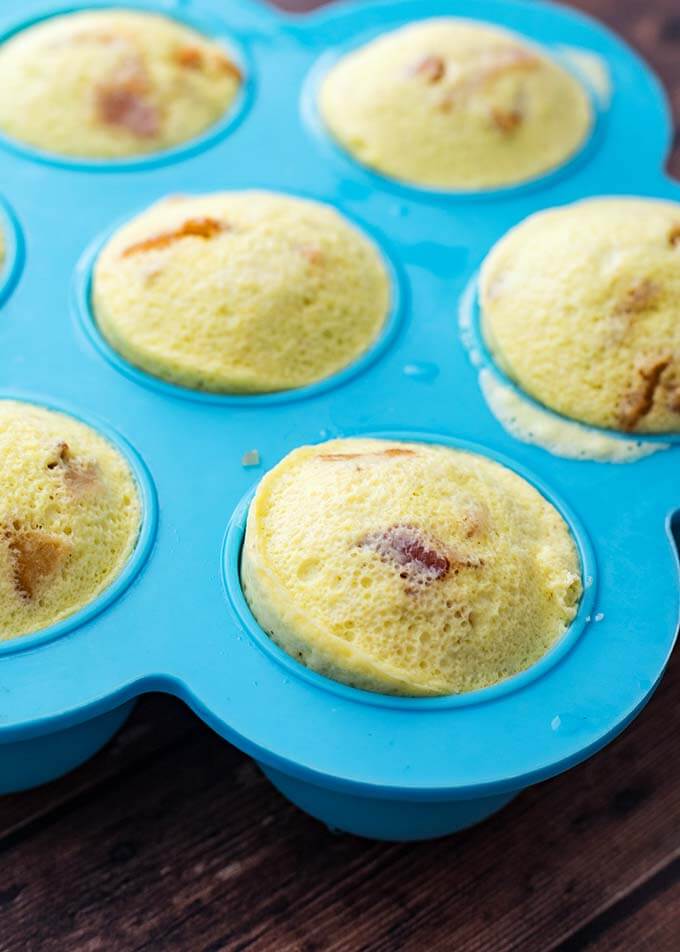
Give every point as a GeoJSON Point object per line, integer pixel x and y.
{"type": "Point", "coordinates": [224, 52]}
{"type": "Point", "coordinates": [83, 280]}
{"type": "Point", "coordinates": [346, 628]}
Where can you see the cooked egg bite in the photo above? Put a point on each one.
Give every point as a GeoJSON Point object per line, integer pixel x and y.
{"type": "Point", "coordinates": [581, 307]}
{"type": "Point", "coordinates": [456, 104]}
{"type": "Point", "coordinates": [407, 568]}
{"type": "Point", "coordinates": [112, 84]}
{"type": "Point", "coordinates": [240, 292]}
{"type": "Point", "coordinates": [70, 516]}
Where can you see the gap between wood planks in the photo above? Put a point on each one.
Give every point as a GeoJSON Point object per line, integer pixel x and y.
{"type": "Point", "coordinates": [649, 887]}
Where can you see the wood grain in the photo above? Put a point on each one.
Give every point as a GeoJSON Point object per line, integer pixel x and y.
{"type": "Point", "coordinates": [172, 840]}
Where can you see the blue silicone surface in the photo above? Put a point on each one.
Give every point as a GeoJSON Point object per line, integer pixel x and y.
{"type": "Point", "coordinates": [176, 621]}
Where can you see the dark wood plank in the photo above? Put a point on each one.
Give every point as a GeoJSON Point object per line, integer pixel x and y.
{"type": "Point", "coordinates": [646, 920]}
{"type": "Point", "coordinates": [171, 840]}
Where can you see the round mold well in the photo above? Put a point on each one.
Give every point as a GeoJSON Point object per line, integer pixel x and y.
{"type": "Point", "coordinates": [82, 303]}
{"type": "Point", "coordinates": [140, 553]}
{"type": "Point", "coordinates": [376, 179]}
{"type": "Point", "coordinates": [212, 27]}
{"type": "Point", "coordinates": [231, 557]}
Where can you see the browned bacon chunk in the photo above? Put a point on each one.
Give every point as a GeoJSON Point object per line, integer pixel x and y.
{"type": "Point", "coordinates": [430, 68]}
{"type": "Point", "coordinates": [205, 228]}
{"type": "Point", "coordinates": [123, 103]}
{"type": "Point", "coordinates": [638, 401]}
{"type": "Point", "coordinates": [36, 556]}
{"type": "Point", "coordinates": [419, 557]}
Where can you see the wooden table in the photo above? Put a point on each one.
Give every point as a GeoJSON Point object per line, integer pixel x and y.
{"type": "Point", "coordinates": [171, 840]}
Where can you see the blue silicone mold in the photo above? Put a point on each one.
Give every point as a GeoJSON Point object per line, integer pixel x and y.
{"type": "Point", "coordinates": [176, 621]}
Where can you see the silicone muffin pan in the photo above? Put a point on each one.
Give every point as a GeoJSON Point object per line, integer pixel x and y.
{"type": "Point", "coordinates": [176, 620]}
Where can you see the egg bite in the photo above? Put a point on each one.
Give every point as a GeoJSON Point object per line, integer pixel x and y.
{"type": "Point", "coordinates": [580, 305]}
{"type": "Point", "coordinates": [240, 292]}
{"type": "Point", "coordinates": [455, 104]}
{"type": "Point", "coordinates": [113, 83]}
{"type": "Point", "coordinates": [70, 515]}
{"type": "Point", "coordinates": [407, 568]}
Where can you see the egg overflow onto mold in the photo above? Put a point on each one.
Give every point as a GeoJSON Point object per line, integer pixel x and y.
{"type": "Point", "coordinates": [566, 438]}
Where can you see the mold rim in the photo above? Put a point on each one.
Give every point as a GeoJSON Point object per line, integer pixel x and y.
{"type": "Point", "coordinates": [15, 250]}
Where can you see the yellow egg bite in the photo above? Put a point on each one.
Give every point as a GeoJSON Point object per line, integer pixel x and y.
{"type": "Point", "coordinates": [581, 306]}
{"type": "Point", "coordinates": [69, 516]}
{"type": "Point", "coordinates": [112, 83]}
{"type": "Point", "coordinates": [240, 292]}
{"type": "Point", "coordinates": [407, 568]}
{"type": "Point", "coordinates": [453, 103]}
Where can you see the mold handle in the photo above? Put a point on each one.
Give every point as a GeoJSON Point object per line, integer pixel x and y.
{"type": "Point", "coordinates": [385, 819]}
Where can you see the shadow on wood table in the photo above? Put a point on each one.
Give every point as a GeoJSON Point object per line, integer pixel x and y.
{"type": "Point", "coordinates": [171, 840]}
